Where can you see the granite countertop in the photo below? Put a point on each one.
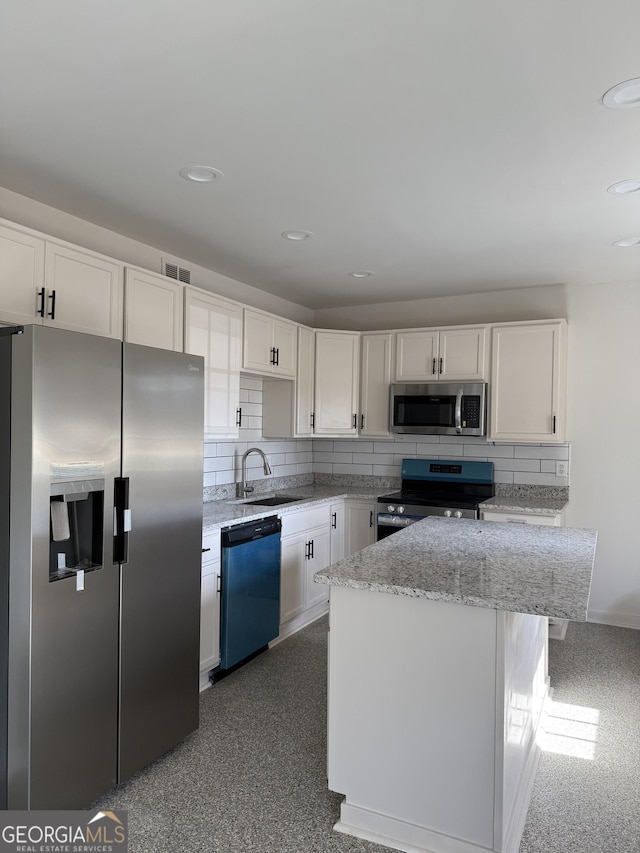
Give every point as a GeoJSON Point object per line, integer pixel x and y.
{"type": "Point", "coordinates": [537, 505]}
{"type": "Point", "coordinates": [217, 514]}
{"type": "Point", "coordinates": [521, 568]}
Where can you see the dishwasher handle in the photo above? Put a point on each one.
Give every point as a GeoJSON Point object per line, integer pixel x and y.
{"type": "Point", "coordinates": [239, 534]}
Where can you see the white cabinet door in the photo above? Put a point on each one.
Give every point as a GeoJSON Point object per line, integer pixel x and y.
{"type": "Point", "coordinates": [375, 378]}
{"type": "Point", "coordinates": [448, 354]}
{"type": "Point", "coordinates": [305, 382]}
{"type": "Point", "coordinates": [360, 525]}
{"type": "Point", "coordinates": [153, 310]}
{"type": "Point", "coordinates": [416, 356]}
{"type": "Point", "coordinates": [292, 577]}
{"type": "Point", "coordinates": [528, 377]}
{"type": "Point", "coordinates": [337, 531]}
{"type": "Point", "coordinates": [84, 291]}
{"type": "Point", "coordinates": [462, 354]}
{"type": "Point", "coordinates": [285, 342]}
{"type": "Point", "coordinates": [213, 329]}
{"type": "Point", "coordinates": [336, 383]}
{"type": "Point", "coordinates": [270, 345]}
{"type": "Point", "coordinates": [318, 557]}
{"type": "Point", "coordinates": [210, 604]}
{"type": "Point", "coordinates": [21, 277]}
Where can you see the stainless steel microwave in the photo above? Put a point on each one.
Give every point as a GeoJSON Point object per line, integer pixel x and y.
{"type": "Point", "coordinates": [439, 408]}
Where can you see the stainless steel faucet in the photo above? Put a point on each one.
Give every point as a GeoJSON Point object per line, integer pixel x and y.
{"type": "Point", "coordinates": [243, 488]}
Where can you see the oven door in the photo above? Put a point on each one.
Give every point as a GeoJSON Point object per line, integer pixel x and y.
{"type": "Point", "coordinates": [388, 523]}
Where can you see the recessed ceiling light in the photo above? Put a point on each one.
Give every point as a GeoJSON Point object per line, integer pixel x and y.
{"type": "Point", "coordinates": [297, 235]}
{"type": "Point", "coordinates": [624, 187]}
{"type": "Point", "coordinates": [361, 273]}
{"type": "Point", "coordinates": [200, 174]}
{"type": "Point", "coordinates": [623, 95]}
{"type": "Point", "coordinates": [628, 241]}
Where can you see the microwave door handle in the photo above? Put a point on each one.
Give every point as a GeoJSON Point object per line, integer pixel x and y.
{"type": "Point", "coordinates": [458, 414]}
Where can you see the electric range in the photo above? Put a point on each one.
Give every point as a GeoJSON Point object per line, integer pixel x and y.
{"type": "Point", "coordinates": [450, 488]}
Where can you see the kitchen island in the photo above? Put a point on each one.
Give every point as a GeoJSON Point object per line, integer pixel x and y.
{"type": "Point", "coordinates": [438, 678]}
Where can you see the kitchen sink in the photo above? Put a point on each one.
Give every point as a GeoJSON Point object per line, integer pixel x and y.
{"type": "Point", "coordinates": [274, 501]}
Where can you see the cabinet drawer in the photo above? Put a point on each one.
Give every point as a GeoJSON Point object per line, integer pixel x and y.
{"type": "Point", "coordinates": [523, 518]}
{"type": "Point", "coordinates": [305, 519]}
{"type": "Point", "coordinates": [210, 553]}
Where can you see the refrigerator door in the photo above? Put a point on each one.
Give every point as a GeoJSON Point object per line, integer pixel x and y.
{"type": "Point", "coordinates": [63, 618]}
{"type": "Point", "coordinates": [162, 447]}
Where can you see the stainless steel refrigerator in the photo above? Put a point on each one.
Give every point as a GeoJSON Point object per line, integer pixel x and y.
{"type": "Point", "coordinates": [100, 551]}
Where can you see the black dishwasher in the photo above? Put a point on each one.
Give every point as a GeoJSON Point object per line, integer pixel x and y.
{"type": "Point", "coordinates": [250, 589]}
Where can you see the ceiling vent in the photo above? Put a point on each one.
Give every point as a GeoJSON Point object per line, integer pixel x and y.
{"type": "Point", "coordinates": [173, 270]}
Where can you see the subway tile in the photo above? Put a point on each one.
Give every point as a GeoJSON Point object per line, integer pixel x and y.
{"type": "Point", "coordinates": [406, 448]}
{"type": "Point", "coordinates": [342, 458]}
{"type": "Point", "coordinates": [322, 443]}
{"type": "Point", "coordinates": [446, 450]}
{"type": "Point", "coordinates": [210, 449]}
{"type": "Point", "coordinates": [503, 477]}
{"type": "Point", "coordinates": [467, 439]}
{"type": "Point", "coordinates": [252, 435]}
{"type": "Point", "coordinates": [249, 409]}
{"type": "Point", "coordinates": [304, 468]}
{"type": "Point", "coordinates": [225, 477]}
{"type": "Point", "coordinates": [322, 467]}
{"type": "Point", "coordinates": [352, 469]}
{"type": "Point", "coordinates": [491, 451]}
{"type": "Point", "coordinates": [373, 458]}
{"type": "Point", "coordinates": [525, 451]}
{"type": "Point", "coordinates": [253, 384]}
{"type": "Point", "coordinates": [355, 445]}
{"type": "Point", "coordinates": [532, 465]}
{"type": "Point", "coordinates": [548, 466]}
{"type": "Point", "coordinates": [219, 463]}
{"type": "Point", "coordinates": [209, 479]}
{"type": "Point", "coordinates": [284, 470]}
{"type": "Point", "coordinates": [243, 396]}
{"type": "Point", "coordinates": [386, 471]}
{"type": "Point", "coordinates": [424, 447]}
{"type": "Point", "coordinates": [477, 459]}
{"type": "Point", "coordinates": [254, 396]}
{"type": "Point", "coordinates": [525, 479]}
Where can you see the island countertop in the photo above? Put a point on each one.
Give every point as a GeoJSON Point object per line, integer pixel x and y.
{"type": "Point", "coordinates": [520, 568]}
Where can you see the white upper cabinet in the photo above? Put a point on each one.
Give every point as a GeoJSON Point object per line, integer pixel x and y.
{"type": "Point", "coordinates": [213, 329]}
{"type": "Point", "coordinates": [84, 291]}
{"type": "Point", "coordinates": [57, 284]}
{"type": "Point", "coordinates": [336, 383]}
{"type": "Point", "coordinates": [305, 382]}
{"type": "Point", "coordinates": [153, 310]}
{"type": "Point", "coordinates": [375, 378]}
{"type": "Point", "coordinates": [449, 355]}
{"type": "Point", "coordinates": [528, 382]}
{"type": "Point", "coordinates": [21, 276]}
{"type": "Point", "coordinates": [270, 344]}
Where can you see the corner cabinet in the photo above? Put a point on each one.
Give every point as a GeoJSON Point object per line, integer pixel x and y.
{"type": "Point", "coordinates": [213, 329]}
{"type": "Point", "coordinates": [360, 525]}
{"type": "Point", "coordinates": [375, 378]}
{"type": "Point", "coordinates": [336, 383]}
{"type": "Point", "coordinates": [449, 354]}
{"type": "Point", "coordinates": [153, 310]}
{"type": "Point", "coordinates": [528, 382]}
{"type": "Point", "coordinates": [270, 345]}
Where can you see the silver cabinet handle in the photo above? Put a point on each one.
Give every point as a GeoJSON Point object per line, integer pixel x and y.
{"type": "Point", "coordinates": [458, 413]}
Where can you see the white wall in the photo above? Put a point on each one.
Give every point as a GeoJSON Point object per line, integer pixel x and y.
{"type": "Point", "coordinates": [603, 425]}
{"type": "Point", "coordinates": [57, 223]}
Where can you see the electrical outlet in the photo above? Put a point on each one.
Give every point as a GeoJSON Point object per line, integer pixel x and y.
{"type": "Point", "coordinates": [562, 469]}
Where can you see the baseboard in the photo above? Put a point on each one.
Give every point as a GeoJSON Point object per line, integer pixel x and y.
{"type": "Point", "coordinates": [617, 619]}
{"type": "Point", "coordinates": [299, 622]}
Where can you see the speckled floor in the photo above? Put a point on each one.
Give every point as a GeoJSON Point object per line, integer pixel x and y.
{"type": "Point", "coordinates": [253, 778]}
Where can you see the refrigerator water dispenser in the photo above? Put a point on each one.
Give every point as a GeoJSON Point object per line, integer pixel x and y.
{"type": "Point", "coordinates": [76, 530]}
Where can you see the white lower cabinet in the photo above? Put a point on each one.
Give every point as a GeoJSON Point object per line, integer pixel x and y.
{"type": "Point", "coordinates": [306, 548]}
{"type": "Point", "coordinates": [360, 525]}
{"type": "Point", "coordinates": [210, 607]}
{"type": "Point", "coordinates": [337, 531]}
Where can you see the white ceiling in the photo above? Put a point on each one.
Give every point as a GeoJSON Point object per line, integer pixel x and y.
{"type": "Point", "coordinates": [451, 146]}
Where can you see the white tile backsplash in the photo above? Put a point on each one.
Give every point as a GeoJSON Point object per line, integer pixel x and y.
{"type": "Point", "coordinates": [519, 464]}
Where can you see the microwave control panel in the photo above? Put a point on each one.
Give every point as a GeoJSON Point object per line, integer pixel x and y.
{"type": "Point", "coordinates": [471, 412]}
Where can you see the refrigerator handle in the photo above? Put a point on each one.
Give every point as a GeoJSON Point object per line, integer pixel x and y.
{"type": "Point", "coordinates": [121, 520]}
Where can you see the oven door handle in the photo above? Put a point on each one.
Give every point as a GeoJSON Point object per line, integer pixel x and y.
{"type": "Point", "coordinates": [458, 413]}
